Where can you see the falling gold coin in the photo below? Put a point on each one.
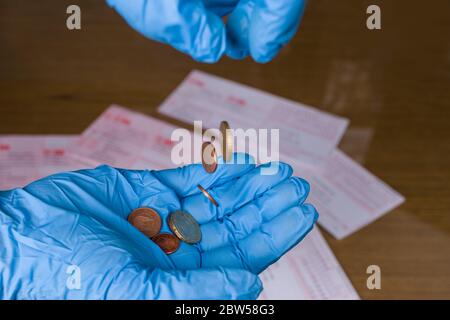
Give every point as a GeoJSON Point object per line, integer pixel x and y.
{"type": "Point", "coordinates": [206, 193]}
{"type": "Point", "coordinates": [209, 157]}
{"type": "Point", "coordinates": [227, 141]}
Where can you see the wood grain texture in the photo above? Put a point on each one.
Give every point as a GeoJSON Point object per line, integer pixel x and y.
{"type": "Point", "coordinates": [394, 82]}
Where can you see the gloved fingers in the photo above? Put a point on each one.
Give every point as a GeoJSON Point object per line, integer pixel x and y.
{"type": "Point", "coordinates": [185, 25]}
{"type": "Point", "coordinates": [273, 24]}
{"type": "Point", "coordinates": [249, 218]}
{"type": "Point", "coordinates": [238, 28]}
{"type": "Point", "coordinates": [184, 180]}
{"type": "Point", "coordinates": [236, 193]}
{"type": "Point", "coordinates": [211, 283]}
{"type": "Point", "coordinates": [266, 245]}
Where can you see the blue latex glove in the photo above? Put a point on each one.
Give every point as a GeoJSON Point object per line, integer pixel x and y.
{"type": "Point", "coordinates": [255, 27]}
{"type": "Point", "coordinates": [80, 219]}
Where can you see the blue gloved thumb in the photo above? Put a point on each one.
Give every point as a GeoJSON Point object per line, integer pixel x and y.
{"type": "Point", "coordinates": [206, 283]}
{"type": "Point", "coordinates": [262, 27]}
{"type": "Point", "coordinates": [275, 23]}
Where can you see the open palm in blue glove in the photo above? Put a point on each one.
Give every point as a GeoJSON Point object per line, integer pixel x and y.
{"type": "Point", "coordinates": [254, 27]}
{"type": "Point", "coordinates": [79, 219]}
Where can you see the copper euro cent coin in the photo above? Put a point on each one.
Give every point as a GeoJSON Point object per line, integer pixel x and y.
{"type": "Point", "coordinates": [146, 220]}
{"type": "Point", "coordinates": [209, 157]}
{"type": "Point", "coordinates": [185, 227]}
{"type": "Point", "coordinates": [167, 242]}
{"type": "Point", "coordinates": [207, 195]}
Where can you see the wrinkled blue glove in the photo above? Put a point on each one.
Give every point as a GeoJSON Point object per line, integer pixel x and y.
{"type": "Point", "coordinates": [255, 27]}
{"type": "Point", "coordinates": [79, 220]}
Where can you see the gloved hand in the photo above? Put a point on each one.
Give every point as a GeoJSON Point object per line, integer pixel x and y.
{"type": "Point", "coordinates": [79, 219]}
{"type": "Point", "coordinates": [256, 27]}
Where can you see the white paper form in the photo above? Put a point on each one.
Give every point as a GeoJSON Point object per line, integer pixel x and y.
{"type": "Point", "coordinates": [346, 195]}
{"type": "Point", "coordinates": [306, 133]}
{"type": "Point", "coordinates": [309, 271]}
{"type": "Point", "coordinates": [25, 158]}
{"type": "Point", "coordinates": [124, 138]}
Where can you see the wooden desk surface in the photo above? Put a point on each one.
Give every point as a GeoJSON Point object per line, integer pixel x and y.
{"type": "Point", "coordinates": [393, 84]}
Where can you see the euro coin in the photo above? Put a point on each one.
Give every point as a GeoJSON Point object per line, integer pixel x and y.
{"type": "Point", "coordinates": [209, 157]}
{"type": "Point", "coordinates": [227, 141]}
{"type": "Point", "coordinates": [146, 220]}
{"type": "Point", "coordinates": [185, 227]}
{"type": "Point", "coordinates": [167, 242]}
{"type": "Point", "coordinates": [206, 194]}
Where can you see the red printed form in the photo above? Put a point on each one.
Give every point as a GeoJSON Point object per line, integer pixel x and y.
{"type": "Point", "coordinates": [24, 159]}
{"type": "Point", "coordinates": [346, 195]}
{"type": "Point", "coordinates": [309, 271]}
{"type": "Point", "coordinates": [306, 134]}
{"type": "Point", "coordinates": [126, 139]}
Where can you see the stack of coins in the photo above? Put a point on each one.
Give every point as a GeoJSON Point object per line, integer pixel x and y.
{"type": "Point", "coordinates": [181, 223]}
